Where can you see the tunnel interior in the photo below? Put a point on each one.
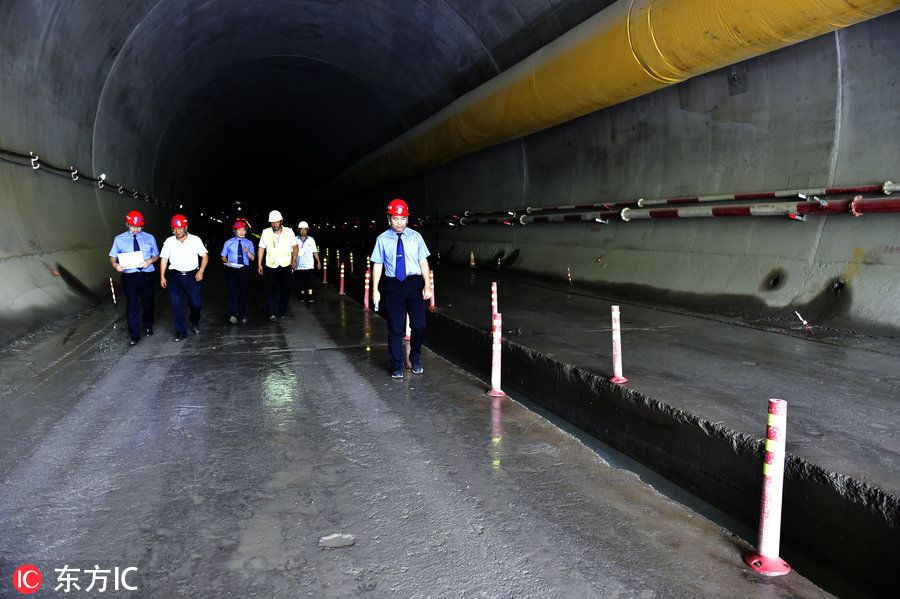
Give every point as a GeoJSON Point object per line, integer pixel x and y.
{"type": "Point", "coordinates": [226, 103]}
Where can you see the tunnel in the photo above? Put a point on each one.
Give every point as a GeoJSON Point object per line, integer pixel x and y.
{"type": "Point", "coordinates": [722, 171]}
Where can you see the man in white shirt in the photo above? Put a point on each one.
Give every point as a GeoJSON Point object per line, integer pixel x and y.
{"type": "Point", "coordinates": [185, 257]}
{"type": "Point", "coordinates": [278, 254]}
{"type": "Point", "coordinates": [307, 254]}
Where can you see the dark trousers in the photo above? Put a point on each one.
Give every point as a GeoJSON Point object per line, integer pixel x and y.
{"type": "Point", "coordinates": [181, 286]}
{"type": "Point", "coordinates": [238, 281]}
{"type": "Point", "coordinates": [278, 289]}
{"type": "Point", "coordinates": [401, 298]}
{"type": "Point", "coordinates": [139, 290]}
{"type": "Point", "coordinates": [305, 279]}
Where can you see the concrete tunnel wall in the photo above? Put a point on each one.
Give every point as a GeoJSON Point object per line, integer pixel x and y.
{"type": "Point", "coordinates": [812, 115]}
{"type": "Point", "coordinates": [815, 114]}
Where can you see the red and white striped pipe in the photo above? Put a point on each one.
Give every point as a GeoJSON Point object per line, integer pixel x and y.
{"type": "Point", "coordinates": [496, 347]}
{"type": "Point", "coordinates": [509, 215]}
{"type": "Point", "coordinates": [112, 289]}
{"type": "Point", "coordinates": [860, 206]}
{"type": "Point", "coordinates": [886, 188]}
{"type": "Point", "coordinates": [567, 218]}
{"type": "Point", "coordinates": [767, 561]}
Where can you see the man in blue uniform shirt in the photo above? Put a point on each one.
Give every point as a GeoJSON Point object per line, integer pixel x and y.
{"type": "Point", "coordinates": [403, 257]}
{"type": "Point", "coordinates": [238, 255]}
{"type": "Point", "coordinates": [137, 273]}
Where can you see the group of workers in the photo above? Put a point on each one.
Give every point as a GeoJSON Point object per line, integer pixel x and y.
{"type": "Point", "coordinates": [399, 261]}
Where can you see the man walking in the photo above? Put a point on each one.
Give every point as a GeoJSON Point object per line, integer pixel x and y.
{"type": "Point", "coordinates": [187, 257]}
{"type": "Point", "coordinates": [277, 258]}
{"type": "Point", "coordinates": [403, 256]}
{"type": "Point", "coordinates": [133, 254]}
{"type": "Point", "coordinates": [306, 253]}
{"type": "Point", "coordinates": [238, 255]}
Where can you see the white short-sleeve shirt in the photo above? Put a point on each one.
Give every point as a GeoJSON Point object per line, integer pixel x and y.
{"type": "Point", "coordinates": [183, 255]}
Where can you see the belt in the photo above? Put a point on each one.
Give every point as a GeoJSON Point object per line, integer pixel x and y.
{"type": "Point", "coordinates": [186, 272]}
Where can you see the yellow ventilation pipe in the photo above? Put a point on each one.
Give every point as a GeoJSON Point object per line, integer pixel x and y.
{"type": "Point", "coordinates": [630, 48]}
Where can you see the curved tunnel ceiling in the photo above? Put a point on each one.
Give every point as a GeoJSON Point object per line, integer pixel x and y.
{"type": "Point", "coordinates": [209, 102]}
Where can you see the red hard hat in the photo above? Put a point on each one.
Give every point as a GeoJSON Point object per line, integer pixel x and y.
{"type": "Point", "coordinates": [179, 220]}
{"type": "Point", "coordinates": [398, 208]}
{"type": "Point", "coordinates": [135, 219]}
{"type": "Point", "coordinates": [239, 224]}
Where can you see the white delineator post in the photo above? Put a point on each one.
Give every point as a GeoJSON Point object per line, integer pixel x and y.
{"type": "Point", "coordinates": [617, 347]}
{"type": "Point", "coordinates": [767, 561]}
{"type": "Point", "coordinates": [112, 289]}
{"type": "Point", "coordinates": [406, 338]}
{"type": "Point", "coordinates": [431, 306]}
{"type": "Point", "coordinates": [325, 270]}
{"type": "Point", "coordinates": [366, 292]}
{"type": "Point", "coordinates": [495, 307]}
{"type": "Point", "coordinates": [342, 280]}
{"type": "Point", "coordinates": [497, 345]}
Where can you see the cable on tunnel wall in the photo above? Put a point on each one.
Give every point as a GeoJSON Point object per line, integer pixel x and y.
{"type": "Point", "coordinates": [34, 161]}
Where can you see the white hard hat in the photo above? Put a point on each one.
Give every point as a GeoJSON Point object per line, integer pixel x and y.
{"type": "Point", "coordinates": [303, 225]}
{"type": "Point", "coordinates": [275, 216]}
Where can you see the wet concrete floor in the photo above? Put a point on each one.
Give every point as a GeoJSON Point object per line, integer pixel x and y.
{"type": "Point", "coordinates": [221, 465]}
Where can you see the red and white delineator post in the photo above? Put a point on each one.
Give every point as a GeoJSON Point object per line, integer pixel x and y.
{"type": "Point", "coordinates": [112, 289]}
{"type": "Point", "coordinates": [569, 273]}
{"type": "Point", "coordinates": [471, 259]}
{"type": "Point", "coordinates": [406, 339]}
{"type": "Point", "coordinates": [341, 292]}
{"type": "Point", "coordinates": [366, 292]}
{"type": "Point", "coordinates": [617, 347]}
{"type": "Point", "coordinates": [325, 270]}
{"type": "Point", "coordinates": [431, 306]}
{"type": "Point", "coordinates": [767, 562]}
{"type": "Point", "coordinates": [351, 263]}
{"type": "Point", "coordinates": [495, 307]}
{"type": "Point", "coordinates": [496, 347]}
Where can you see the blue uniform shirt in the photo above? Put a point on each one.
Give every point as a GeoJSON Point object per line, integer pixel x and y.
{"type": "Point", "coordinates": [230, 251]}
{"type": "Point", "coordinates": [414, 249]}
{"type": "Point", "coordinates": [124, 243]}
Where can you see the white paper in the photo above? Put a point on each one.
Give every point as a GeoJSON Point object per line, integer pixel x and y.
{"type": "Point", "coordinates": [131, 259]}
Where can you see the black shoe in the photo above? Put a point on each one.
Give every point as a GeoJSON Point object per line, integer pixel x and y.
{"type": "Point", "coordinates": [273, 318]}
{"type": "Point", "coordinates": [397, 374]}
{"type": "Point", "coordinates": [310, 300]}
{"type": "Point", "coordinates": [244, 320]}
{"type": "Point", "coordinates": [148, 331]}
{"type": "Point", "coordinates": [232, 319]}
{"type": "Point", "coordinates": [417, 369]}
{"type": "Point", "coordinates": [180, 337]}
{"type": "Point", "coordinates": [196, 329]}
{"type": "Point", "coordinates": [133, 341]}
